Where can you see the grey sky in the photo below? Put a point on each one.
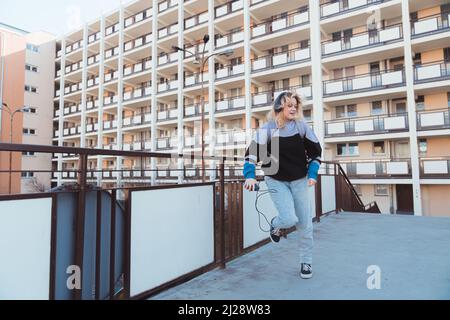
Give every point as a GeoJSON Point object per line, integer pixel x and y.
{"type": "Point", "coordinates": [54, 16]}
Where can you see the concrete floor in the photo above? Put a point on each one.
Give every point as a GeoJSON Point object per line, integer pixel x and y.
{"type": "Point", "coordinates": [413, 254]}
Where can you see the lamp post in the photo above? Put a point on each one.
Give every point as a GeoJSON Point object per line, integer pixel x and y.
{"type": "Point", "coordinates": [11, 113]}
{"type": "Point", "coordinates": [203, 62]}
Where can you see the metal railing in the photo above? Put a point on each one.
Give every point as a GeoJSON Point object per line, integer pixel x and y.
{"type": "Point", "coordinates": [291, 20]}
{"type": "Point", "coordinates": [377, 168]}
{"type": "Point", "coordinates": [432, 71]}
{"type": "Point", "coordinates": [435, 167]}
{"type": "Point", "coordinates": [433, 119]}
{"type": "Point", "coordinates": [229, 39]}
{"type": "Point", "coordinates": [430, 24]}
{"type": "Point", "coordinates": [332, 8]}
{"type": "Point", "coordinates": [281, 59]}
{"type": "Point", "coordinates": [228, 8]}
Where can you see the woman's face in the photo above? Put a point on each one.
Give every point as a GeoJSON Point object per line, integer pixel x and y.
{"type": "Point", "coordinates": [290, 109]}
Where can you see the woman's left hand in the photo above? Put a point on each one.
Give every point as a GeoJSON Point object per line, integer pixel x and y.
{"type": "Point", "coordinates": [312, 182]}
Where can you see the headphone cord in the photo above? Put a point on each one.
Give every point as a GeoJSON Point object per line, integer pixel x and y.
{"type": "Point", "coordinates": [259, 194]}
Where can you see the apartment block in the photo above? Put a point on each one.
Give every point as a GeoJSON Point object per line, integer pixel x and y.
{"type": "Point", "coordinates": [26, 92]}
{"type": "Point", "coordinates": [374, 77]}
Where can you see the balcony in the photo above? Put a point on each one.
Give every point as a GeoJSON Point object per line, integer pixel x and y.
{"type": "Point", "coordinates": [110, 100]}
{"type": "Point", "coordinates": [433, 119]}
{"type": "Point", "coordinates": [91, 127]}
{"type": "Point", "coordinates": [137, 119]}
{"type": "Point", "coordinates": [195, 79]}
{"type": "Point", "coordinates": [138, 42]}
{"type": "Point", "coordinates": [166, 143]}
{"type": "Point", "coordinates": [93, 82]}
{"type": "Point", "coordinates": [433, 71]}
{"type": "Point", "coordinates": [165, 58]}
{"type": "Point", "coordinates": [266, 98]}
{"type": "Point", "coordinates": [194, 110]}
{"type": "Point", "coordinates": [92, 104]}
{"type": "Point", "coordinates": [137, 68]}
{"type": "Point", "coordinates": [363, 40]}
{"type": "Point", "coordinates": [68, 110]}
{"type": "Point", "coordinates": [137, 93]}
{"type": "Point", "coordinates": [194, 49]}
{"type": "Point", "coordinates": [112, 29]}
{"type": "Point", "coordinates": [292, 20]}
{"type": "Point", "coordinates": [431, 24]}
{"type": "Point", "coordinates": [435, 168]}
{"type": "Point", "coordinates": [364, 82]}
{"type": "Point", "coordinates": [94, 37]}
{"type": "Point", "coordinates": [229, 39]}
{"type": "Point", "coordinates": [110, 53]}
{"type": "Point", "coordinates": [373, 169]}
{"type": "Point", "coordinates": [280, 60]}
{"type": "Point", "coordinates": [166, 115]}
{"type": "Point", "coordinates": [74, 67]}
{"type": "Point", "coordinates": [110, 76]}
{"type": "Point", "coordinates": [93, 59]}
{"type": "Point", "coordinates": [166, 5]}
{"type": "Point", "coordinates": [231, 137]}
{"type": "Point", "coordinates": [168, 86]}
{"type": "Point", "coordinates": [228, 8]}
{"type": "Point", "coordinates": [367, 125]}
{"type": "Point", "coordinates": [230, 71]}
{"type": "Point", "coordinates": [72, 131]}
{"type": "Point", "coordinates": [333, 8]}
{"type": "Point", "coordinates": [76, 87]}
{"type": "Point", "coordinates": [141, 16]}
{"type": "Point", "coordinates": [168, 31]}
{"type": "Point", "coordinates": [194, 21]}
{"type": "Point", "coordinates": [74, 47]}
{"type": "Point", "coordinates": [230, 104]}
{"type": "Point", "coordinates": [110, 124]}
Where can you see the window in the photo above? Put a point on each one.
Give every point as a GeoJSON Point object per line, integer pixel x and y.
{"type": "Point", "coordinates": [32, 48]}
{"type": "Point", "coordinates": [420, 103]}
{"type": "Point", "coordinates": [28, 153]}
{"type": "Point", "coordinates": [347, 149]}
{"type": "Point", "coordinates": [30, 89]}
{"type": "Point", "coordinates": [377, 108]}
{"type": "Point", "coordinates": [378, 147]}
{"type": "Point", "coordinates": [27, 174]}
{"type": "Point", "coordinates": [346, 111]}
{"type": "Point", "coordinates": [31, 68]}
{"type": "Point", "coordinates": [307, 115]}
{"type": "Point", "coordinates": [448, 99]}
{"type": "Point", "coordinates": [29, 131]}
{"type": "Point", "coordinates": [29, 110]}
{"type": "Point", "coordinates": [423, 147]}
{"type": "Point", "coordinates": [381, 190]}
{"type": "Point", "coordinates": [400, 107]}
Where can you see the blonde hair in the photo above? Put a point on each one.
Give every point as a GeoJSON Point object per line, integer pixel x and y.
{"type": "Point", "coordinates": [279, 118]}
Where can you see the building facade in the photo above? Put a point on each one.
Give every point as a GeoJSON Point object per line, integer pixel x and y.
{"type": "Point", "coordinates": [374, 77]}
{"type": "Point", "coordinates": [26, 90]}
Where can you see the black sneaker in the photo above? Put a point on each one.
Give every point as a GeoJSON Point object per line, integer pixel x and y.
{"type": "Point", "coordinates": [306, 271]}
{"type": "Point", "coordinates": [274, 233]}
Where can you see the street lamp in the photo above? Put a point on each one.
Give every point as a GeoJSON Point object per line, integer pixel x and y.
{"type": "Point", "coordinates": [203, 61]}
{"type": "Point", "coordinates": [11, 113]}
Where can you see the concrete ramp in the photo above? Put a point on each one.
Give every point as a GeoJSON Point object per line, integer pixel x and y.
{"type": "Point", "coordinates": [412, 254]}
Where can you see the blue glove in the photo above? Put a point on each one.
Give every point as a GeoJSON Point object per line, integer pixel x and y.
{"type": "Point", "coordinates": [313, 170]}
{"type": "Point", "coordinates": [249, 171]}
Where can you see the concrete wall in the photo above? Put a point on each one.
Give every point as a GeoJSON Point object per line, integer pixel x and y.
{"type": "Point", "coordinates": [436, 200]}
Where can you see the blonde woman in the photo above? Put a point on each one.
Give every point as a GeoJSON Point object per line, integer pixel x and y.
{"type": "Point", "coordinates": [291, 153]}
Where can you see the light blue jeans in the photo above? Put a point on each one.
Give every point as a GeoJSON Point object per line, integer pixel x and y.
{"type": "Point", "coordinates": [293, 203]}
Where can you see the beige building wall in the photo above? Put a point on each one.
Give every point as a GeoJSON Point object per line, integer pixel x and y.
{"type": "Point", "coordinates": [436, 200]}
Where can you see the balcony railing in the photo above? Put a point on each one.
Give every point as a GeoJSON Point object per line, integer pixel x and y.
{"type": "Point", "coordinates": [363, 40]}
{"type": "Point", "coordinates": [93, 59]}
{"type": "Point", "coordinates": [293, 19]}
{"type": "Point", "coordinates": [94, 37]}
{"type": "Point", "coordinates": [281, 59]}
{"type": "Point", "coordinates": [196, 79]}
{"type": "Point", "coordinates": [365, 82]}
{"type": "Point", "coordinates": [73, 88]}
{"type": "Point", "coordinates": [137, 68]}
{"type": "Point", "coordinates": [92, 104]}
{"type": "Point", "coordinates": [255, 2]}
{"type": "Point", "coordinates": [436, 167]}
{"type": "Point", "coordinates": [168, 31]}
{"type": "Point", "coordinates": [141, 16]}
{"type": "Point", "coordinates": [109, 124]}
{"type": "Point", "coordinates": [230, 38]}
{"type": "Point", "coordinates": [430, 25]}
{"type": "Point", "coordinates": [166, 5]}
{"type": "Point", "coordinates": [433, 119]}
{"type": "Point", "coordinates": [168, 86]}
{"type": "Point", "coordinates": [167, 58]}
{"type": "Point", "coordinates": [93, 81]}
{"type": "Point", "coordinates": [112, 29]}
{"type": "Point", "coordinates": [71, 131]}
{"type": "Point", "coordinates": [230, 71]}
{"type": "Point", "coordinates": [110, 100]}
{"type": "Point", "coordinates": [137, 119]}
{"type": "Point", "coordinates": [196, 20]}
{"type": "Point", "coordinates": [74, 46]}
{"type": "Point", "coordinates": [231, 137]}
{"type": "Point", "coordinates": [229, 104]}
{"type": "Point", "coordinates": [381, 168]}
{"type": "Point", "coordinates": [74, 67]}
{"type": "Point", "coordinates": [438, 70]}
{"type": "Point", "coordinates": [110, 76]}
{"type": "Point", "coordinates": [169, 114]}
{"type": "Point", "coordinates": [138, 93]}
{"type": "Point", "coordinates": [266, 98]}
{"type": "Point", "coordinates": [91, 127]}
{"type": "Point", "coordinates": [194, 49]}
{"type": "Point", "coordinates": [138, 42]}
{"type": "Point", "coordinates": [194, 110]}
{"type": "Point", "coordinates": [166, 143]}
{"type": "Point", "coordinates": [228, 8]}
{"type": "Point", "coordinates": [367, 125]}
{"type": "Point", "coordinates": [111, 52]}
{"type": "Point", "coordinates": [72, 109]}
{"type": "Point", "coordinates": [332, 8]}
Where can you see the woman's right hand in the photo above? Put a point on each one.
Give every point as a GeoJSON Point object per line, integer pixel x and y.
{"type": "Point", "coordinates": [250, 184]}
